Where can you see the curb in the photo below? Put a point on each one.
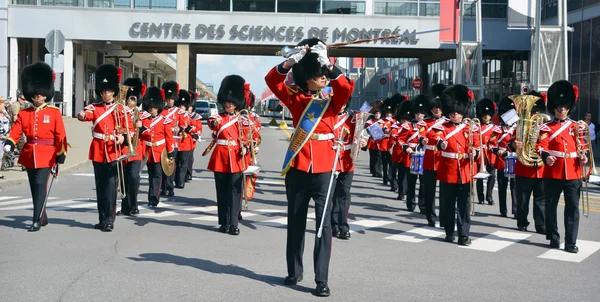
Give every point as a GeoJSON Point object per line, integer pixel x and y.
{"type": "Point", "coordinates": [14, 182]}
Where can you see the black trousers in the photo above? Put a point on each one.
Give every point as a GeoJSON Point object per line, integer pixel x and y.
{"type": "Point", "coordinates": [430, 183]}
{"type": "Point", "coordinates": [503, 183]}
{"type": "Point", "coordinates": [341, 202]}
{"type": "Point", "coordinates": [300, 187]}
{"type": "Point", "coordinates": [155, 174]}
{"type": "Point", "coordinates": [394, 177]}
{"type": "Point", "coordinates": [38, 182]}
{"type": "Point", "coordinates": [229, 197]}
{"type": "Point", "coordinates": [489, 185]}
{"type": "Point", "coordinates": [411, 190]}
{"type": "Point", "coordinates": [385, 165]}
{"type": "Point", "coordinates": [105, 175]}
{"type": "Point", "coordinates": [456, 195]}
{"type": "Point", "coordinates": [402, 173]}
{"type": "Point", "coordinates": [525, 186]}
{"type": "Point", "coordinates": [188, 172]}
{"type": "Point", "coordinates": [182, 166]}
{"type": "Point", "coordinates": [375, 162]}
{"type": "Point", "coordinates": [570, 188]}
{"type": "Point", "coordinates": [132, 185]}
{"type": "Point", "coordinates": [167, 181]}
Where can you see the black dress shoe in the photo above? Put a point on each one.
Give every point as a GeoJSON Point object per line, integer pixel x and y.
{"type": "Point", "coordinates": [572, 249]}
{"type": "Point", "coordinates": [224, 229]}
{"type": "Point", "coordinates": [171, 193]}
{"type": "Point", "coordinates": [135, 212]}
{"type": "Point", "coordinates": [503, 215]}
{"type": "Point", "coordinates": [481, 202]}
{"type": "Point", "coordinates": [323, 290]}
{"type": "Point", "coordinates": [464, 241]}
{"type": "Point", "coordinates": [449, 239]}
{"type": "Point", "coordinates": [522, 228]}
{"type": "Point", "coordinates": [36, 226]}
{"type": "Point", "coordinates": [108, 227]}
{"type": "Point", "coordinates": [99, 226]}
{"type": "Point", "coordinates": [45, 222]}
{"type": "Point", "coordinates": [554, 244]}
{"type": "Point", "coordinates": [335, 233]}
{"type": "Point", "coordinates": [400, 197]}
{"type": "Point", "coordinates": [345, 235]}
{"type": "Point", "coordinates": [541, 230]}
{"type": "Point", "coordinates": [393, 189]}
{"type": "Point", "coordinates": [179, 186]}
{"type": "Point", "coordinates": [431, 224]}
{"type": "Point", "coordinates": [491, 202]}
{"type": "Point", "coordinates": [233, 230]}
{"type": "Point", "coordinates": [289, 280]}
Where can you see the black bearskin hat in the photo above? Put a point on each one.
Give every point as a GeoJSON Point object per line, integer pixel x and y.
{"type": "Point", "coordinates": [505, 105]}
{"type": "Point", "coordinates": [404, 111]}
{"type": "Point", "coordinates": [153, 98]}
{"type": "Point", "coordinates": [436, 97]}
{"type": "Point", "coordinates": [37, 79]}
{"type": "Point", "coordinates": [232, 90]}
{"type": "Point", "coordinates": [137, 89]}
{"type": "Point", "coordinates": [108, 76]}
{"type": "Point", "coordinates": [419, 104]}
{"type": "Point", "coordinates": [171, 89]}
{"type": "Point", "coordinates": [185, 99]}
{"type": "Point", "coordinates": [562, 93]}
{"type": "Point", "coordinates": [309, 66]}
{"type": "Point", "coordinates": [456, 99]}
{"type": "Point", "coordinates": [486, 106]}
{"type": "Point", "coordinates": [540, 105]}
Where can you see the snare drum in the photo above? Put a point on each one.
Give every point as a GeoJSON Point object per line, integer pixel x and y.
{"type": "Point", "coordinates": [416, 163]}
{"type": "Point", "coordinates": [509, 165]}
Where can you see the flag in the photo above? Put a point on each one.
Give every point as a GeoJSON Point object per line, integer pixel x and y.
{"type": "Point", "coordinates": [449, 18]}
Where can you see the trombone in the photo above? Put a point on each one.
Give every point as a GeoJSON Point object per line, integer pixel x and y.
{"type": "Point", "coordinates": [482, 174]}
{"type": "Point", "coordinates": [592, 174]}
{"type": "Point", "coordinates": [120, 100]}
{"type": "Point", "coordinates": [244, 115]}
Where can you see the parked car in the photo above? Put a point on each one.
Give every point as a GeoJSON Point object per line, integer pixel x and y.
{"type": "Point", "coordinates": [203, 108]}
{"type": "Point", "coordinates": [213, 108]}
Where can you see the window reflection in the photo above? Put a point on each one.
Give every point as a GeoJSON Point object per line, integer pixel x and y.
{"type": "Point", "coordinates": [295, 6]}
{"type": "Point", "coordinates": [210, 5]}
{"type": "Point", "coordinates": [254, 6]}
{"type": "Point", "coordinates": [344, 7]}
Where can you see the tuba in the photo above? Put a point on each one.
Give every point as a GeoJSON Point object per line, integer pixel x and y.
{"type": "Point", "coordinates": [528, 129]}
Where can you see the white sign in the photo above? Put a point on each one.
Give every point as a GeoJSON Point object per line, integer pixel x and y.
{"type": "Point", "coordinates": [521, 13]}
{"type": "Point", "coordinates": [57, 63]}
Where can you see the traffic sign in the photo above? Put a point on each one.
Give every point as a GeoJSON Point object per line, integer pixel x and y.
{"type": "Point", "coordinates": [55, 43]}
{"type": "Point", "coordinates": [383, 81]}
{"type": "Point", "coordinates": [417, 83]}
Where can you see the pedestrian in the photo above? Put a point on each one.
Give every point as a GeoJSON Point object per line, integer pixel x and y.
{"type": "Point", "coordinates": [592, 125]}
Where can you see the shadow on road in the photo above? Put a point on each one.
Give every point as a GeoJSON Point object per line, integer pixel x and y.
{"type": "Point", "coordinates": [215, 268]}
{"type": "Point", "coordinates": [25, 221]}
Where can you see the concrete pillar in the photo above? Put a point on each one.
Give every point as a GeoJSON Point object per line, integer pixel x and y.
{"type": "Point", "coordinates": [181, 5]}
{"type": "Point", "coordinates": [80, 77]}
{"type": "Point", "coordinates": [141, 73]}
{"type": "Point", "coordinates": [183, 63]}
{"type": "Point", "coordinates": [35, 50]}
{"type": "Point", "coordinates": [68, 79]}
{"type": "Point", "coordinates": [4, 49]}
{"type": "Point", "coordinates": [424, 74]}
{"type": "Point", "coordinates": [156, 82]}
{"type": "Point", "coordinates": [192, 72]}
{"type": "Point", "coordinates": [13, 78]}
{"type": "Point", "coordinates": [148, 78]}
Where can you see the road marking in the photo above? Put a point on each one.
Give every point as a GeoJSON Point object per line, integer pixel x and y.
{"type": "Point", "coordinates": [145, 176]}
{"type": "Point", "coordinates": [9, 197]}
{"type": "Point", "coordinates": [417, 235]}
{"type": "Point", "coordinates": [586, 248]}
{"type": "Point", "coordinates": [25, 200]}
{"type": "Point", "coordinates": [278, 222]}
{"type": "Point", "coordinates": [361, 225]}
{"type": "Point", "coordinates": [245, 214]}
{"type": "Point", "coordinates": [30, 206]}
{"type": "Point", "coordinates": [496, 241]}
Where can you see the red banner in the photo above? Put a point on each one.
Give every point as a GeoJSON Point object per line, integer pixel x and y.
{"type": "Point", "coordinates": [358, 62]}
{"type": "Point", "coordinates": [449, 18]}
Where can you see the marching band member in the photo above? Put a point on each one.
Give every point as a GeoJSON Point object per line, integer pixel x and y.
{"type": "Point", "coordinates": [500, 144]}
{"type": "Point", "coordinates": [530, 179]}
{"type": "Point", "coordinates": [486, 109]}
{"type": "Point", "coordinates": [156, 134]}
{"type": "Point", "coordinates": [373, 146]}
{"type": "Point", "coordinates": [398, 157]}
{"type": "Point", "coordinates": [226, 158]}
{"type": "Point", "coordinates": [188, 135]}
{"type": "Point", "coordinates": [105, 116]}
{"type": "Point", "coordinates": [196, 120]}
{"type": "Point", "coordinates": [409, 142]}
{"type": "Point", "coordinates": [384, 146]}
{"type": "Point", "coordinates": [562, 173]}
{"type": "Point", "coordinates": [254, 121]}
{"type": "Point", "coordinates": [452, 138]}
{"type": "Point", "coordinates": [133, 165]}
{"type": "Point", "coordinates": [431, 157]}
{"type": "Point", "coordinates": [174, 114]}
{"type": "Point", "coordinates": [46, 144]}
{"type": "Point", "coordinates": [310, 157]}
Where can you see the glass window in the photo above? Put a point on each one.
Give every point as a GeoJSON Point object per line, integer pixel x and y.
{"type": "Point", "coordinates": [429, 8]}
{"type": "Point", "coordinates": [575, 81]}
{"type": "Point", "coordinates": [254, 6]}
{"type": "Point", "coordinates": [585, 46]}
{"type": "Point", "coordinates": [60, 2]}
{"type": "Point", "coordinates": [211, 5]}
{"type": "Point", "coordinates": [595, 95]}
{"type": "Point", "coordinates": [573, 5]}
{"type": "Point", "coordinates": [576, 48]}
{"type": "Point", "coordinates": [587, 3]}
{"type": "Point", "coordinates": [344, 7]}
{"type": "Point", "coordinates": [489, 8]}
{"type": "Point", "coordinates": [401, 8]}
{"type": "Point", "coordinates": [595, 45]}
{"type": "Point", "coordinates": [109, 3]}
{"type": "Point", "coordinates": [25, 2]}
{"type": "Point", "coordinates": [295, 6]}
{"type": "Point", "coordinates": [584, 94]}
{"type": "Point", "coordinates": [156, 4]}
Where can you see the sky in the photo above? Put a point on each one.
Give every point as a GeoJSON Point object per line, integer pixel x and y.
{"type": "Point", "coordinates": [211, 69]}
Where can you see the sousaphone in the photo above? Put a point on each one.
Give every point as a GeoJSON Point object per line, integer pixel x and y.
{"type": "Point", "coordinates": [168, 166]}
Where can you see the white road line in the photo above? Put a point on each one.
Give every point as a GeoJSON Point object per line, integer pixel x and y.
{"type": "Point", "coordinates": [282, 221]}
{"type": "Point", "coordinates": [496, 241]}
{"type": "Point", "coordinates": [145, 176]}
{"type": "Point", "coordinates": [586, 249]}
{"type": "Point", "coordinates": [9, 197]}
{"type": "Point", "coordinates": [361, 225]}
{"type": "Point", "coordinates": [24, 200]}
{"type": "Point", "coordinates": [245, 214]}
{"type": "Point", "coordinates": [48, 205]}
{"type": "Point", "coordinates": [418, 235]}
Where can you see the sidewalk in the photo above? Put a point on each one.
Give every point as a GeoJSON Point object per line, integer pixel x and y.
{"type": "Point", "coordinates": [78, 136]}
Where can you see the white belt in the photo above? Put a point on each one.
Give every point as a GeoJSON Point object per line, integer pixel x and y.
{"type": "Point", "coordinates": [562, 154]}
{"type": "Point", "coordinates": [156, 143]}
{"type": "Point", "coordinates": [102, 136]}
{"type": "Point", "coordinates": [322, 137]}
{"type": "Point", "coordinates": [176, 136]}
{"type": "Point", "coordinates": [430, 147]}
{"type": "Point", "coordinates": [224, 142]}
{"type": "Point", "coordinates": [454, 155]}
{"type": "Point", "coordinates": [347, 147]}
{"type": "Point", "coordinates": [412, 145]}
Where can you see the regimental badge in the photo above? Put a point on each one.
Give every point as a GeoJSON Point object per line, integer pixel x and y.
{"type": "Point", "coordinates": [46, 119]}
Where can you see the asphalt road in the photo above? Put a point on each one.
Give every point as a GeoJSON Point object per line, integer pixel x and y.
{"type": "Point", "coordinates": [175, 252]}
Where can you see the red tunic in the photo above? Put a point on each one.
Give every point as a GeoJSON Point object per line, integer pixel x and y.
{"type": "Point", "coordinates": [486, 133]}
{"type": "Point", "coordinates": [46, 136]}
{"type": "Point", "coordinates": [175, 115]}
{"type": "Point", "coordinates": [226, 156]}
{"type": "Point", "coordinates": [345, 121]}
{"type": "Point", "coordinates": [431, 157]}
{"type": "Point", "coordinates": [156, 136]}
{"type": "Point", "coordinates": [456, 155]}
{"type": "Point", "coordinates": [103, 148]}
{"type": "Point", "coordinates": [189, 131]}
{"type": "Point", "coordinates": [564, 147]}
{"type": "Point", "coordinates": [394, 147]}
{"type": "Point", "coordinates": [501, 139]}
{"type": "Point", "coordinates": [316, 156]}
{"type": "Point", "coordinates": [409, 139]}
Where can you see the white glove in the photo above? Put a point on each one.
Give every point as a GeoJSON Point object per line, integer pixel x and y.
{"type": "Point", "coordinates": [295, 58]}
{"type": "Point", "coordinates": [6, 148]}
{"type": "Point", "coordinates": [321, 50]}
